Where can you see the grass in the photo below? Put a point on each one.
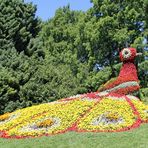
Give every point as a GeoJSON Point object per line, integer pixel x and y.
{"type": "Point", "coordinates": [136, 138]}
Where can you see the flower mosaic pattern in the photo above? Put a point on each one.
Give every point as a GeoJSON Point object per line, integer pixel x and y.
{"type": "Point", "coordinates": [88, 112]}
{"type": "Point", "coordinates": [109, 115]}
{"type": "Point", "coordinates": [63, 114]}
{"type": "Point", "coordinates": [8, 117]}
{"type": "Point", "coordinates": [111, 109]}
{"type": "Point", "coordinates": [127, 81]}
{"type": "Point", "coordinates": [142, 109]}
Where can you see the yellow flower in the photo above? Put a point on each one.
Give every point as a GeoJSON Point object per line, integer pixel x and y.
{"type": "Point", "coordinates": [112, 116]}
{"type": "Point", "coordinates": [4, 117]}
{"type": "Point", "coordinates": [45, 123]}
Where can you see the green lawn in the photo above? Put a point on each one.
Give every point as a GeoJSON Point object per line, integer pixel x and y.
{"type": "Point", "coordinates": [137, 138]}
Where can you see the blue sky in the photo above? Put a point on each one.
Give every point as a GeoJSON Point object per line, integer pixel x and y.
{"type": "Point", "coordinates": [47, 8]}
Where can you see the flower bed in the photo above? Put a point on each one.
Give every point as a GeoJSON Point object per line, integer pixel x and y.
{"type": "Point", "coordinates": [142, 109]}
{"type": "Point", "coordinates": [33, 120]}
{"type": "Point", "coordinates": [108, 115]}
{"type": "Point", "coordinates": [108, 110]}
{"type": "Point", "coordinates": [88, 112]}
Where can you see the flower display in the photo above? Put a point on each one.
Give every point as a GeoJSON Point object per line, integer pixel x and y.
{"type": "Point", "coordinates": [128, 54]}
{"type": "Point", "coordinates": [142, 109]}
{"type": "Point", "coordinates": [127, 81]}
{"type": "Point", "coordinates": [47, 118]}
{"type": "Point", "coordinates": [45, 123]}
{"type": "Point", "coordinates": [111, 109]}
{"type": "Point", "coordinates": [112, 116]}
{"type": "Point", "coordinates": [88, 112]}
{"type": "Point", "coordinates": [8, 117]}
{"type": "Point", "coordinates": [108, 115]}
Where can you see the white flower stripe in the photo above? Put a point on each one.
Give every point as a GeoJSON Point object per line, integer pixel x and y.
{"type": "Point", "coordinates": [123, 85]}
{"type": "Point", "coordinates": [33, 127]}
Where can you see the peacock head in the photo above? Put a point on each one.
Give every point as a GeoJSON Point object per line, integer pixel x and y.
{"type": "Point", "coordinates": [128, 54]}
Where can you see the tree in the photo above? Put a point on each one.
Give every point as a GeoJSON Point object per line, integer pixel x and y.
{"type": "Point", "coordinates": [18, 23]}
{"type": "Point", "coordinates": [118, 25]}
{"type": "Point", "coordinates": [94, 39]}
{"type": "Point", "coordinates": [20, 51]}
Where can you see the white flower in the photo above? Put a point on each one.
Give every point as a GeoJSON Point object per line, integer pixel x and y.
{"type": "Point", "coordinates": [126, 53]}
{"type": "Point", "coordinates": [32, 127]}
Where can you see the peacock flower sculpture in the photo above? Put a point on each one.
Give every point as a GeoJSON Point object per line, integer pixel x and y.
{"type": "Point", "coordinates": [111, 109]}
{"type": "Point", "coordinates": [127, 82]}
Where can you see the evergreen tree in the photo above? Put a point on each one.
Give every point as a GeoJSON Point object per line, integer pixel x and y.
{"type": "Point", "coordinates": [20, 51]}
{"type": "Point", "coordinates": [18, 23]}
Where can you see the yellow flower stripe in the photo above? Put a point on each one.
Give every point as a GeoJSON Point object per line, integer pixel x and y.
{"type": "Point", "coordinates": [118, 108]}
{"type": "Point", "coordinates": [142, 109]}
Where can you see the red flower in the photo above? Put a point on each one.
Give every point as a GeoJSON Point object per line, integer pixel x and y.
{"type": "Point", "coordinates": [128, 54]}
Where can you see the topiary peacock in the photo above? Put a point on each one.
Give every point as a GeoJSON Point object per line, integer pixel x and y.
{"type": "Point", "coordinates": [111, 109]}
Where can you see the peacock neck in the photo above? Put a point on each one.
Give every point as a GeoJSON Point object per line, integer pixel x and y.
{"type": "Point", "coordinates": [128, 71]}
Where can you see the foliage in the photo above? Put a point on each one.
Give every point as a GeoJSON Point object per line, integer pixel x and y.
{"type": "Point", "coordinates": [16, 71]}
{"type": "Point", "coordinates": [144, 95]}
{"type": "Point", "coordinates": [49, 84]}
{"type": "Point", "coordinates": [18, 23]}
{"type": "Point", "coordinates": [143, 73]}
{"type": "Point", "coordinates": [20, 51]}
{"type": "Point", "coordinates": [74, 52]}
